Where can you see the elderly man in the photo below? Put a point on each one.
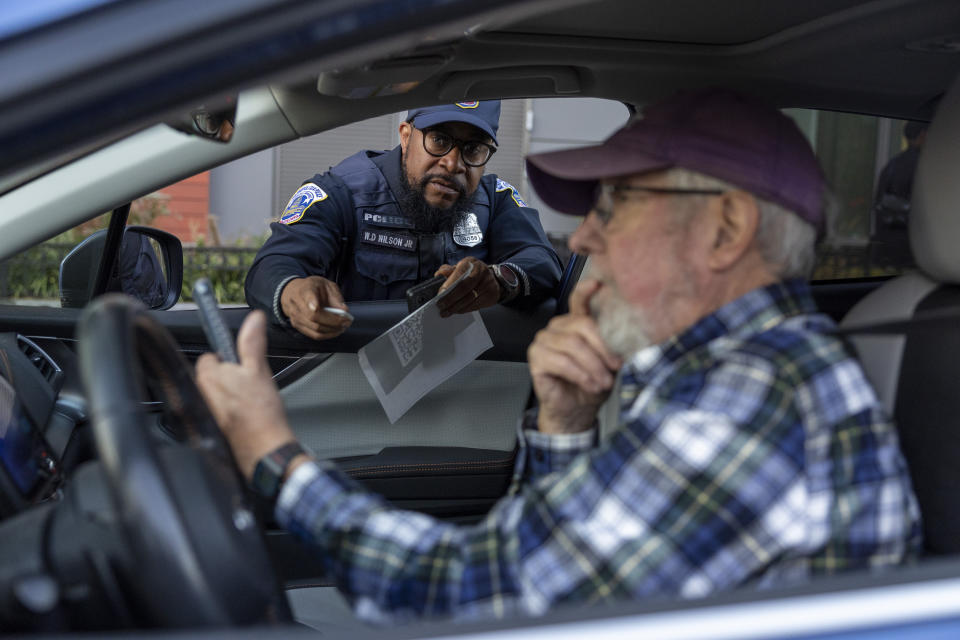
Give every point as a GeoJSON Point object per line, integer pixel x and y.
{"type": "Point", "coordinates": [751, 447]}
{"type": "Point", "coordinates": [380, 222]}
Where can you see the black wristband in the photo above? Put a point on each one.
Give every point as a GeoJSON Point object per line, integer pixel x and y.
{"type": "Point", "coordinates": [268, 475]}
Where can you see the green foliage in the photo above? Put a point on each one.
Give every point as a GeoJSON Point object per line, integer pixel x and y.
{"type": "Point", "coordinates": [144, 211]}
{"type": "Point", "coordinates": [74, 236]}
{"type": "Point", "coordinates": [225, 266]}
{"type": "Point", "coordinates": [34, 273]}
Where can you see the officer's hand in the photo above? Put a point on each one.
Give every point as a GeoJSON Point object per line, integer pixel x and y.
{"type": "Point", "coordinates": [243, 397]}
{"type": "Point", "coordinates": [572, 369]}
{"type": "Point", "coordinates": [302, 301]}
{"type": "Point", "coordinates": [477, 291]}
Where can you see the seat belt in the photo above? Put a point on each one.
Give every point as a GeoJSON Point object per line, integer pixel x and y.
{"type": "Point", "coordinates": [948, 318]}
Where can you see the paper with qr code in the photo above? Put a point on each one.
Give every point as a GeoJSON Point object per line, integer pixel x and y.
{"type": "Point", "coordinates": [417, 354]}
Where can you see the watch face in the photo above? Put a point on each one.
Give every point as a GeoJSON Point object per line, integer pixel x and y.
{"type": "Point", "coordinates": [265, 480]}
{"type": "Point", "coordinates": [508, 276]}
{"type": "Point", "coordinates": [268, 474]}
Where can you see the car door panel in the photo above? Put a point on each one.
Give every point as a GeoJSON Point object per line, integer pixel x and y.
{"type": "Point", "coordinates": [450, 455]}
{"type": "Point", "coordinates": [334, 411]}
{"type": "Point", "coordinates": [511, 328]}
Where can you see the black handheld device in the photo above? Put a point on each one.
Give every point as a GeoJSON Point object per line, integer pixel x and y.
{"type": "Point", "coordinates": [218, 335]}
{"type": "Point", "coordinates": [420, 294]}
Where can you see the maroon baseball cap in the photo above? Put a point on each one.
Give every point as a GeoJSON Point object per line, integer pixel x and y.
{"type": "Point", "coordinates": [717, 132]}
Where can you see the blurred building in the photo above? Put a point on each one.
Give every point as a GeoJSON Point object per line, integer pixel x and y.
{"type": "Point", "coordinates": [242, 197]}
{"type": "Point", "coordinates": [236, 202]}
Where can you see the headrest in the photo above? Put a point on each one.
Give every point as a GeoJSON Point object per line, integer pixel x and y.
{"type": "Point", "coordinates": [934, 220]}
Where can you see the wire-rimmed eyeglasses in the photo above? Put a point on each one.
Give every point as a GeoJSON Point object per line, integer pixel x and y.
{"type": "Point", "coordinates": [605, 192]}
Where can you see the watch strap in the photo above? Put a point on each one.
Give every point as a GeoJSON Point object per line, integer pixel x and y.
{"type": "Point", "coordinates": [268, 474]}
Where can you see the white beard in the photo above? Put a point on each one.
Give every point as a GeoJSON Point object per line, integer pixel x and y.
{"type": "Point", "coordinates": [623, 328]}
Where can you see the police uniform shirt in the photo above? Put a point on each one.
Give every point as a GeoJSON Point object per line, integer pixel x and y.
{"type": "Point", "coordinates": [347, 226]}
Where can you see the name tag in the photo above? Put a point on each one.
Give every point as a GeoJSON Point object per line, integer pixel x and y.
{"type": "Point", "coordinates": [391, 240]}
{"type": "Point", "coordinates": [380, 220]}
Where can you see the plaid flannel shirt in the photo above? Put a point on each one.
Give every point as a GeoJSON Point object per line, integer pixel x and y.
{"type": "Point", "coordinates": [751, 450]}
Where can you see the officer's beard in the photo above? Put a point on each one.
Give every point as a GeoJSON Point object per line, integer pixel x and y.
{"type": "Point", "coordinates": [427, 218]}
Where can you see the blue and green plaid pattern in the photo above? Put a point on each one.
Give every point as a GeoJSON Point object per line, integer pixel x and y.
{"type": "Point", "coordinates": [751, 450]}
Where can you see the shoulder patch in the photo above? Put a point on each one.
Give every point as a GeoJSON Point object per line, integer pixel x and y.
{"type": "Point", "coordinates": [301, 201]}
{"type": "Point", "coordinates": [468, 105]}
{"type": "Point", "coordinates": [503, 185]}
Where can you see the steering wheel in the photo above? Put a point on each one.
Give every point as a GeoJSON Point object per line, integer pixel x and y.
{"type": "Point", "coordinates": [197, 553]}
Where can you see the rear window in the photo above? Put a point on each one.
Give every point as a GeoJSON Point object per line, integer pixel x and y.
{"type": "Point", "coordinates": [869, 162]}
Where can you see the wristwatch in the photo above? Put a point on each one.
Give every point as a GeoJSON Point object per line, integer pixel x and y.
{"type": "Point", "coordinates": [269, 473]}
{"type": "Point", "coordinates": [508, 281]}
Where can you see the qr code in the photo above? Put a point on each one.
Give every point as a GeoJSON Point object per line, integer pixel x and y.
{"type": "Point", "coordinates": [407, 338]}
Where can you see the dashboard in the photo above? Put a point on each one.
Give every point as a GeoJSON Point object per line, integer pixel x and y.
{"type": "Point", "coordinates": [30, 382]}
{"type": "Point", "coordinates": [43, 412]}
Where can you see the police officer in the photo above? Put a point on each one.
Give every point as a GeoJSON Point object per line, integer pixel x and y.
{"type": "Point", "coordinates": [380, 222]}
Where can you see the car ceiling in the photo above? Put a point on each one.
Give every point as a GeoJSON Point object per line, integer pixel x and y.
{"type": "Point", "coordinates": [890, 58]}
{"type": "Point", "coordinates": [690, 21]}
{"type": "Point", "coordinates": [882, 57]}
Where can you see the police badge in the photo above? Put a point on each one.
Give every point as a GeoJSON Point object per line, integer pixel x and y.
{"type": "Point", "coordinates": [467, 231]}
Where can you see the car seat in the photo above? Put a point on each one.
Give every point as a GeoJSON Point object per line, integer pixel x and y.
{"type": "Point", "coordinates": [916, 373]}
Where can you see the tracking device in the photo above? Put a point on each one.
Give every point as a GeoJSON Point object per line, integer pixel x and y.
{"type": "Point", "coordinates": [339, 312]}
{"type": "Point", "coordinates": [420, 294]}
{"type": "Point", "coordinates": [218, 335]}
{"type": "Point", "coordinates": [269, 472]}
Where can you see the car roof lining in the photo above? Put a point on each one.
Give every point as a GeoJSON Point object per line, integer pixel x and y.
{"type": "Point", "coordinates": [838, 60]}
{"type": "Point", "coordinates": [827, 54]}
{"type": "Point", "coordinates": [690, 21]}
{"type": "Point", "coordinates": [834, 54]}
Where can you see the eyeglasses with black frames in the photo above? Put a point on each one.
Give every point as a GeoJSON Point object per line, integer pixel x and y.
{"type": "Point", "coordinates": [474, 153]}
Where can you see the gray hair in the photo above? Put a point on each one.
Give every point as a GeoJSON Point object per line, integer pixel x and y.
{"type": "Point", "coordinates": [785, 240]}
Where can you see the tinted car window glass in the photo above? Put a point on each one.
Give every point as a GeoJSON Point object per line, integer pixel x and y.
{"type": "Point", "coordinates": [32, 277]}
{"type": "Point", "coordinates": [869, 163]}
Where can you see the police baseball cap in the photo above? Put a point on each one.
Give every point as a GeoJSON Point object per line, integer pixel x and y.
{"type": "Point", "coordinates": [717, 132]}
{"type": "Point", "coordinates": [483, 114]}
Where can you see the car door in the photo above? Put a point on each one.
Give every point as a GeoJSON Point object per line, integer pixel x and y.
{"type": "Point", "coordinates": [451, 454]}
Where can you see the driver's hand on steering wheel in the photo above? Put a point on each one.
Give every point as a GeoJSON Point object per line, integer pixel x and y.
{"type": "Point", "coordinates": [243, 397]}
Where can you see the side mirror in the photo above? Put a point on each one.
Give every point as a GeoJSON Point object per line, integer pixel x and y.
{"type": "Point", "coordinates": [149, 267]}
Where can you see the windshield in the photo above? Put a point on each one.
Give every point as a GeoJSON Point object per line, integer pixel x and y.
{"type": "Point", "coordinates": [20, 17]}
